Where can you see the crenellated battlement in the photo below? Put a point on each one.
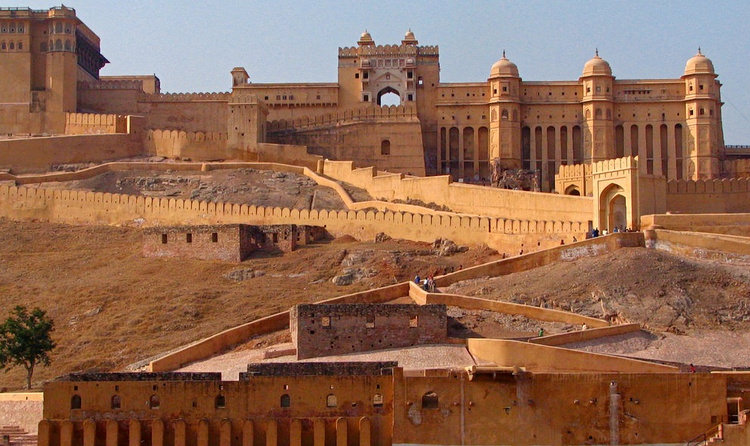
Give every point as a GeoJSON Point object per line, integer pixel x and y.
{"type": "Point", "coordinates": [573, 171]}
{"type": "Point", "coordinates": [368, 112]}
{"type": "Point", "coordinates": [614, 164]}
{"type": "Point", "coordinates": [93, 123]}
{"type": "Point", "coordinates": [187, 97]}
{"type": "Point", "coordinates": [112, 85]}
{"type": "Point", "coordinates": [717, 186]}
{"type": "Point", "coordinates": [181, 135]}
{"type": "Point", "coordinates": [389, 50]}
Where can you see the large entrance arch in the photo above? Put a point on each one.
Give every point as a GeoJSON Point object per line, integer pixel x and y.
{"type": "Point", "coordinates": [613, 208]}
{"type": "Point", "coordinates": [392, 96]}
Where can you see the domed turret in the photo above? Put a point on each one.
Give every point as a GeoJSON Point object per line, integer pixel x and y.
{"type": "Point", "coordinates": [409, 38]}
{"type": "Point", "coordinates": [365, 39]}
{"type": "Point", "coordinates": [699, 64]}
{"type": "Point", "coordinates": [597, 67]}
{"type": "Point", "coordinates": [504, 68]}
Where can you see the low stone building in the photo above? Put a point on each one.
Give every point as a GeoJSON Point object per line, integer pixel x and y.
{"type": "Point", "coordinates": [331, 329]}
{"type": "Point", "coordinates": [231, 243]}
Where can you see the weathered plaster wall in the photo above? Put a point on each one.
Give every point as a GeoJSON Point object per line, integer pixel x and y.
{"type": "Point", "coordinates": [557, 409]}
{"type": "Point", "coordinates": [701, 245]}
{"type": "Point", "coordinates": [92, 124]}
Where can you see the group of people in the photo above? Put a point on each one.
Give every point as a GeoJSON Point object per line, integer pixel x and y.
{"type": "Point", "coordinates": [427, 284]}
{"type": "Point", "coordinates": [596, 233]}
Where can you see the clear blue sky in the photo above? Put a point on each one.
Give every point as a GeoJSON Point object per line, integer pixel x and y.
{"type": "Point", "coordinates": [192, 45]}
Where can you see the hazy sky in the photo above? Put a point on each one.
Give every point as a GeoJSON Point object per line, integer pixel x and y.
{"type": "Point", "coordinates": [192, 45]}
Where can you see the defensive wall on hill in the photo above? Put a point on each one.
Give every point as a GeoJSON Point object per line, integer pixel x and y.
{"type": "Point", "coordinates": [728, 224]}
{"type": "Point", "coordinates": [92, 123]}
{"type": "Point", "coordinates": [207, 347]}
{"type": "Point", "coordinates": [463, 197]}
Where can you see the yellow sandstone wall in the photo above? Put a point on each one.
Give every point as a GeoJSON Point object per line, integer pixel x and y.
{"type": "Point", "coordinates": [39, 154]}
{"type": "Point", "coordinates": [463, 197]}
{"type": "Point", "coordinates": [729, 224]}
{"type": "Point", "coordinates": [709, 196]}
{"type": "Point", "coordinates": [92, 124]}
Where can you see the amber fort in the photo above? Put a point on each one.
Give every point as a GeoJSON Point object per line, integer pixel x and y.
{"type": "Point", "coordinates": [526, 176]}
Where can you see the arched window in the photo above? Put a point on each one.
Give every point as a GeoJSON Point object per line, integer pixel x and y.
{"type": "Point", "coordinates": [331, 400]}
{"type": "Point", "coordinates": [430, 400]}
{"type": "Point", "coordinates": [285, 400]}
{"type": "Point", "coordinates": [598, 113]}
{"type": "Point", "coordinates": [12, 45]}
{"type": "Point", "coordinates": [43, 47]}
{"type": "Point", "coordinates": [58, 27]}
{"type": "Point", "coordinates": [58, 45]}
{"type": "Point", "coordinates": [153, 402]}
{"type": "Point", "coordinates": [504, 114]}
{"type": "Point", "coordinates": [3, 46]}
{"type": "Point", "coordinates": [67, 45]}
{"type": "Point", "coordinates": [116, 402]}
{"type": "Point", "coordinates": [20, 45]}
{"type": "Point", "coordinates": [220, 402]}
{"type": "Point", "coordinates": [385, 147]}
{"type": "Point", "coordinates": [75, 402]}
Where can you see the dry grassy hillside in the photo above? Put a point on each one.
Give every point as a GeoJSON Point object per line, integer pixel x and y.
{"type": "Point", "coordinates": [662, 291]}
{"type": "Point", "coordinates": [113, 307]}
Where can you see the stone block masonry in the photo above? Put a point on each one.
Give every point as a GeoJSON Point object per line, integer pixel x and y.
{"type": "Point", "coordinates": [322, 330]}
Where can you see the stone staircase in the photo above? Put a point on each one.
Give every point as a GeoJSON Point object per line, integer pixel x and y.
{"type": "Point", "coordinates": [16, 436]}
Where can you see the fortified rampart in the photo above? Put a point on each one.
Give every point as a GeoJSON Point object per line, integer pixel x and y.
{"type": "Point", "coordinates": [386, 137]}
{"type": "Point", "coordinates": [477, 407]}
{"type": "Point", "coordinates": [709, 196]}
{"type": "Point", "coordinates": [91, 123]}
{"type": "Point", "coordinates": [79, 207]}
{"type": "Point", "coordinates": [463, 197]}
{"type": "Point", "coordinates": [335, 329]}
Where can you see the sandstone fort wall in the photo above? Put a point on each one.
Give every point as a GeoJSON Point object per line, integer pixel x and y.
{"type": "Point", "coordinates": [91, 123]}
{"type": "Point", "coordinates": [463, 197]}
{"type": "Point", "coordinates": [709, 196]}
{"type": "Point", "coordinates": [39, 154]}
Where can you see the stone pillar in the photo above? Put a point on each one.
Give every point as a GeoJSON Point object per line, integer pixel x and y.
{"type": "Point", "coordinates": [544, 172]}
{"type": "Point", "coordinates": [180, 433]}
{"type": "Point", "coordinates": [295, 433]}
{"type": "Point", "coordinates": [569, 155]}
{"type": "Point", "coordinates": [628, 150]}
{"type": "Point", "coordinates": [247, 433]}
{"type": "Point", "coordinates": [438, 157]}
{"type": "Point", "coordinates": [272, 432]}
{"type": "Point", "coordinates": [112, 431]}
{"type": "Point", "coordinates": [460, 152]}
{"type": "Point", "coordinates": [532, 147]}
{"type": "Point", "coordinates": [66, 433]}
{"type": "Point", "coordinates": [203, 432]}
{"type": "Point", "coordinates": [134, 433]}
{"type": "Point", "coordinates": [642, 155]}
{"type": "Point", "coordinates": [341, 433]}
{"type": "Point", "coordinates": [656, 135]}
{"type": "Point", "coordinates": [319, 432]}
{"type": "Point", "coordinates": [43, 433]}
{"type": "Point", "coordinates": [225, 433]}
{"type": "Point", "coordinates": [364, 432]}
{"type": "Point", "coordinates": [672, 161]}
{"type": "Point", "coordinates": [559, 156]}
{"type": "Point", "coordinates": [157, 433]}
{"type": "Point", "coordinates": [89, 432]}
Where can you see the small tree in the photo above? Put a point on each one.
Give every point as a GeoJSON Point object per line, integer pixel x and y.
{"type": "Point", "coordinates": [25, 340]}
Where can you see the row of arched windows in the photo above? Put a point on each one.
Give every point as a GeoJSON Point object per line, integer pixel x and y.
{"type": "Point", "coordinates": [12, 28]}
{"type": "Point", "coordinates": [57, 45]}
{"type": "Point", "coordinates": [58, 28]}
{"type": "Point", "coordinates": [657, 146]}
{"type": "Point", "coordinates": [11, 46]}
